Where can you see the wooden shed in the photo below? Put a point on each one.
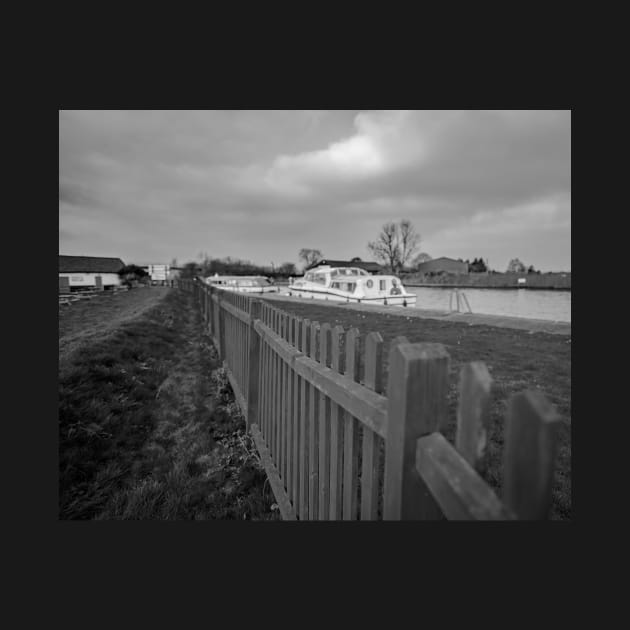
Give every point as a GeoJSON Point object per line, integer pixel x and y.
{"type": "Point", "coordinates": [88, 272]}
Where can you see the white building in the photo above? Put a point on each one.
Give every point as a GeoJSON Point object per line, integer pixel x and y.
{"type": "Point", "coordinates": [89, 271]}
{"type": "Point", "coordinates": [159, 273]}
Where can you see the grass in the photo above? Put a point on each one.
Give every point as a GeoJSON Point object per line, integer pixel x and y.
{"type": "Point", "coordinates": [516, 359]}
{"type": "Point", "coordinates": [148, 427]}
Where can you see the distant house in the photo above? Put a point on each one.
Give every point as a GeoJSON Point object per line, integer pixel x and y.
{"type": "Point", "coordinates": [159, 273]}
{"type": "Point", "coordinates": [443, 264]}
{"type": "Point", "coordinates": [88, 271]}
{"type": "Point", "coordinates": [370, 267]}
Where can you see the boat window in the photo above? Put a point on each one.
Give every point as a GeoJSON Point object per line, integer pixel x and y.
{"type": "Point", "coordinates": [381, 285]}
{"type": "Point", "coordinates": [320, 278]}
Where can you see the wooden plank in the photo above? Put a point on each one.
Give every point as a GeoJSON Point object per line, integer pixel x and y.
{"type": "Point", "coordinates": [368, 406]}
{"type": "Point", "coordinates": [313, 436]}
{"type": "Point", "coordinates": [275, 451]}
{"type": "Point", "coordinates": [351, 433]}
{"type": "Point", "coordinates": [324, 431]}
{"type": "Point", "coordinates": [336, 432]}
{"type": "Point", "coordinates": [268, 388]}
{"type": "Point", "coordinates": [458, 490]}
{"type": "Point", "coordinates": [304, 427]}
{"type": "Point", "coordinates": [254, 360]}
{"type": "Point", "coordinates": [283, 402]}
{"type": "Point", "coordinates": [297, 337]}
{"type": "Point", "coordinates": [286, 509]}
{"type": "Point", "coordinates": [290, 396]}
{"type": "Point", "coordinates": [417, 394]}
{"type": "Point", "coordinates": [530, 451]}
{"type": "Point", "coordinates": [370, 464]}
{"type": "Point", "coordinates": [238, 395]}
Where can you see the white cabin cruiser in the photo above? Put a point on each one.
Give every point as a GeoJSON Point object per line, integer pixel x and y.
{"type": "Point", "coordinates": [242, 284]}
{"type": "Point", "coordinates": [351, 284]}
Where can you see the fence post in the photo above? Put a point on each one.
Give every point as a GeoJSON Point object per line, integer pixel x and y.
{"type": "Point", "coordinates": [210, 312]}
{"type": "Point", "coordinates": [531, 441]}
{"type": "Point", "coordinates": [253, 395]}
{"type": "Point", "coordinates": [417, 403]}
{"type": "Point", "coordinates": [221, 331]}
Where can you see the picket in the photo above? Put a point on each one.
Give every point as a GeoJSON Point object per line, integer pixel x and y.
{"type": "Point", "coordinates": [371, 442]}
{"type": "Point", "coordinates": [351, 433]}
{"type": "Point", "coordinates": [313, 435]}
{"type": "Point", "coordinates": [304, 427]}
{"type": "Point", "coordinates": [336, 432]}
{"type": "Point", "coordinates": [324, 430]}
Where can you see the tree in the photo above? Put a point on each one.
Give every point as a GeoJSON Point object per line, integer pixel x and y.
{"type": "Point", "coordinates": [132, 273]}
{"type": "Point", "coordinates": [310, 256]}
{"type": "Point", "coordinates": [477, 266]}
{"type": "Point", "coordinates": [395, 244]}
{"type": "Point", "coordinates": [190, 270]}
{"type": "Point", "coordinates": [515, 266]}
{"type": "Point", "coordinates": [409, 241]}
{"type": "Point", "coordinates": [287, 269]}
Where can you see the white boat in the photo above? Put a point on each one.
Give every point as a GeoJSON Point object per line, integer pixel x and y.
{"type": "Point", "coordinates": [242, 284]}
{"type": "Point", "coordinates": [351, 284]}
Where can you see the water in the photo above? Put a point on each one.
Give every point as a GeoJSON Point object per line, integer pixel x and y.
{"type": "Point", "coordinates": [529, 303]}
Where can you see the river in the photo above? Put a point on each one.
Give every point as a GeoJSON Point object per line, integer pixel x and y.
{"type": "Point", "coordinates": [529, 303]}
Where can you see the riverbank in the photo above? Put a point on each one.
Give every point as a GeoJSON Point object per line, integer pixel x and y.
{"type": "Point", "coordinates": [552, 281]}
{"type": "Point", "coordinates": [519, 354]}
{"type": "Point", "coordinates": [500, 321]}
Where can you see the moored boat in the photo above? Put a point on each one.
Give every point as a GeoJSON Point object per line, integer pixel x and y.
{"type": "Point", "coordinates": [242, 284]}
{"type": "Point", "coordinates": [351, 284]}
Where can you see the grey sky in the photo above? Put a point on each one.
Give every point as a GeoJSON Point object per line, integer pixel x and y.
{"type": "Point", "coordinates": [149, 186]}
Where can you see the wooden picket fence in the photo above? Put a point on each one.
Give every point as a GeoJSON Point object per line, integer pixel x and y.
{"type": "Point", "coordinates": [335, 447]}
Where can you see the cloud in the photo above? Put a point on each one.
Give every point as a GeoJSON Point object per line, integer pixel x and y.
{"type": "Point", "coordinates": [257, 184]}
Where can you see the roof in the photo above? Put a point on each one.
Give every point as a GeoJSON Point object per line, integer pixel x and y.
{"type": "Point", "coordinates": [89, 264]}
{"type": "Point", "coordinates": [368, 266]}
{"type": "Point", "coordinates": [442, 258]}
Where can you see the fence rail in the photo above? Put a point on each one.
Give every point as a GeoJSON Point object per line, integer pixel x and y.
{"type": "Point", "coordinates": [337, 447]}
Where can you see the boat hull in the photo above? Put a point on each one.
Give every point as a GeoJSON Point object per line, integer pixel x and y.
{"type": "Point", "coordinates": [387, 300]}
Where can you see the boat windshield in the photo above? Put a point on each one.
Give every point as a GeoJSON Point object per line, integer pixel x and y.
{"type": "Point", "coordinates": [349, 271]}
{"type": "Point", "coordinates": [320, 278]}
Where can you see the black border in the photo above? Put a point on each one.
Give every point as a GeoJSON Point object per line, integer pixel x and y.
{"type": "Point", "coordinates": [262, 554]}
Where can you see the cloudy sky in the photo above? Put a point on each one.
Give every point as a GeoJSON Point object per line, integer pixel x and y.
{"type": "Point", "coordinates": [150, 186]}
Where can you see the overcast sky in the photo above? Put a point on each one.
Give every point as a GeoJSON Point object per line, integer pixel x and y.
{"type": "Point", "coordinates": [150, 186]}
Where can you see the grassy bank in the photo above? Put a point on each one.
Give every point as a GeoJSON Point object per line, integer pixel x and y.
{"type": "Point", "coordinates": [148, 427]}
{"type": "Point", "coordinates": [516, 359]}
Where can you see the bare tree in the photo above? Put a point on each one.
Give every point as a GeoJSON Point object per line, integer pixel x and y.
{"type": "Point", "coordinates": [395, 244]}
{"type": "Point", "coordinates": [310, 256]}
{"type": "Point", "coordinates": [409, 241]}
{"type": "Point", "coordinates": [385, 248]}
